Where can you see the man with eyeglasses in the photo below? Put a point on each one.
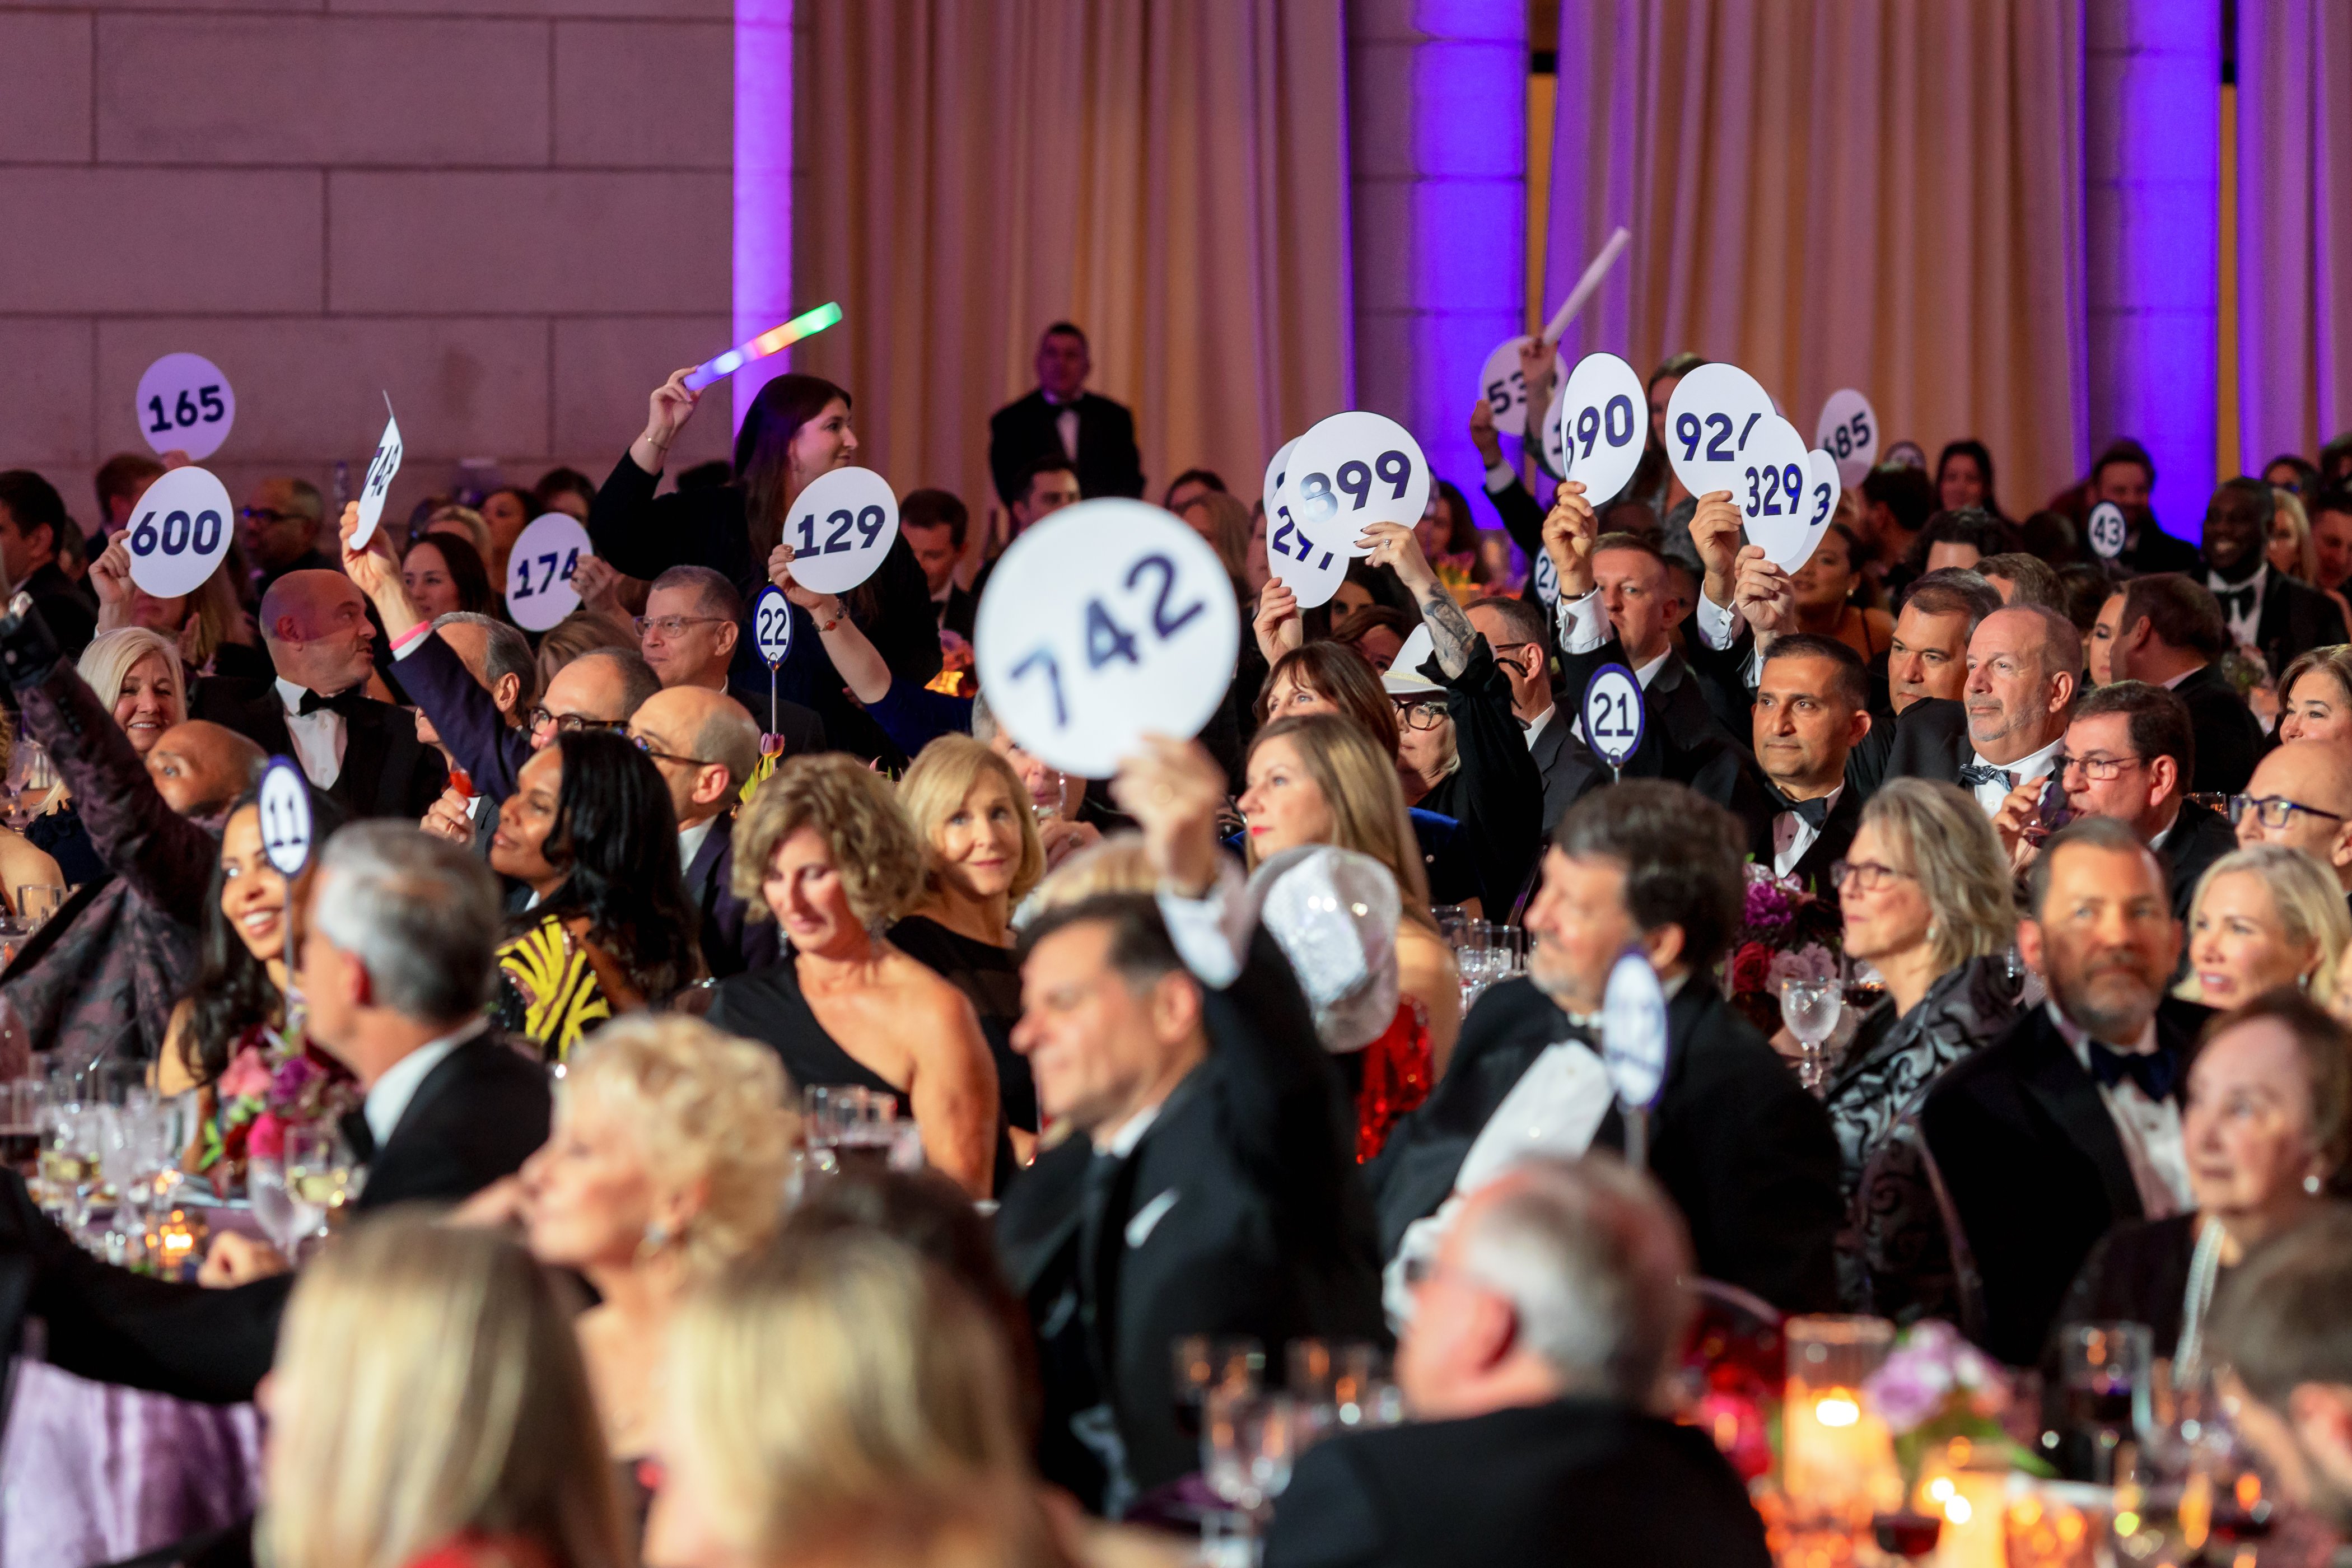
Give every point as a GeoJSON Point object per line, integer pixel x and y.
{"type": "Point", "coordinates": [1514, 630]}
{"type": "Point", "coordinates": [2130, 753]}
{"type": "Point", "coordinates": [279, 528]}
{"type": "Point", "coordinates": [705, 746]}
{"type": "Point", "coordinates": [693, 619]}
{"type": "Point", "coordinates": [2300, 795]}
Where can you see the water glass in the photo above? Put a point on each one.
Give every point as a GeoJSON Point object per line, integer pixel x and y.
{"type": "Point", "coordinates": [284, 1222]}
{"type": "Point", "coordinates": [36, 901]}
{"type": "Point", "coordinates": [1811, 1009]}
{"type": "Point", "coordinates": [1451, 920]}
{"type": "Point", "coordinates": [2105, 1374]}
{"type": "Point", "coordinates": [848, 1125]}
{"type": "Point", "coordinates": [1200, 1364]}
{"type": "Point", "coordinates": [1248, 1442]}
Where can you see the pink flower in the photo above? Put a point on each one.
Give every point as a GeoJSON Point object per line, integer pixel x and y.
{"type": "Point", "coordinates": [266, 1137]}
{"type": "Point", "coordinates": [247, 1073]}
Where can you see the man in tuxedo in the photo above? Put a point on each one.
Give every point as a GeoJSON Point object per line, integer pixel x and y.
{"type": "Point", "coordinates": [1809, 715]}
{"type": "Point", "coordinates": [1929, 655]}
{"type": "Point", "coordinates": [936, 525]}
{"type": "Point", "coordinates": [2002, 740]}
{"type": "Point", "coordinates": [32, 520]}
{"type": "Point", "coordinates": [1897, 500]}
{"type": "Point", "coordinates": [499, 657]}
{"type": "Point", "coordinates": [2300, 795]}
{"type": "Point", "coordinates": [279, 526]}
{"type": "Point", "coordinates": [1745, 1153]}
{"type": "Point", "coordinates": [2265, 610]}
{"type": "Point", "coordinates": [363, 753]}
{"type": "Point", "coordinates": [2331, 536]}
{"type": "Point", "coordinates": [2126, 474]}
{"type": "Point", "coordinates": [688, 635]}
{"type": "Point", "coordinates": [2130, 753]}
{"type": "Point", "coordinates": [1063, 418]}
{"type": "Point", "coordinates": [2169, 632]}
{"type": "Point", "coordinates": [395, 962]}
{"type": "Point", "coordinates": [2071, 1122]}
{"type": "Point", "coordinates": [1540, 1334]}
{"type": "Point", "coordinates": [705, 746]}
{"type": "Point", "coordinates": [1209, 1185]}
{"type": "Point", "coordinates": [1514, 630]}
{"type": "Point", "coordinates": [2283, 1327]}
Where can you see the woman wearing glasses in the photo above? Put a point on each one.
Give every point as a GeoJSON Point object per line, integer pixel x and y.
{"type": "Point", "coordinates": [2264, 916]}
{"type": "Point", "coordinates": [1927, 900]}
{"type": "Point", "coordinates": [590, 830]}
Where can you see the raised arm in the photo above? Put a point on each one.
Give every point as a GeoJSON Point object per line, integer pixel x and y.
{"type": "Point", "coordinates": [640, 533]}
{"type": "Point", "coordinates": [1450, 634]}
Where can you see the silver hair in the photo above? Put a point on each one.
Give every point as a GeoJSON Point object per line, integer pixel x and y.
{"type": "Point", "coordinates": [1592, 1258]}
{"type": "Point", "coordinates": [421, 913]}
{"type": "Point", "coordinates": [508, 652]}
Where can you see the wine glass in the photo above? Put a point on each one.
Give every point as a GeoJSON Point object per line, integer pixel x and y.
{"type": "Point", "coordinates": [1248, 1441]}
{"type": "Point", "coordinates": [319, 1177]}
{"type": "Point", "coordinates": [1811, 1009]}
{"type": "Point", "coordinates": [29, 771]}
{"type": "Point", "coordinates": [2106, 1389]}
{"type": "Point", "coordinates": [1199, 1364]}
{"type": "Point", "coordinates": [36, 901]}
{"type": "Point", "coordinates": [284, 1221]}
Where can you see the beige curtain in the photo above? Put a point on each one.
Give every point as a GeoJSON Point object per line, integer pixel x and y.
{"type": "Point", "coordinates": [1169, 175]}
{"type": "Point", "coordinates": [1878, 193]}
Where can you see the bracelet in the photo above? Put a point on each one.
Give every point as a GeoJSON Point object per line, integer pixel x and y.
{"type": "Point", "coordinates": [657, 446]}
{"type": "Point", "coordinates": [839, 613]}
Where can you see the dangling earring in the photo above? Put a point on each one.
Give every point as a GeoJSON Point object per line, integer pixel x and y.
{"type": "Point", "coordinates": [2311, 1185]}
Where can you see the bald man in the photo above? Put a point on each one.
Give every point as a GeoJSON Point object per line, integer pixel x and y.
{"type": "Point", "coordinates": [101, 974]}
{"type": "Point", "coordinates": [363, 753]}
{"type": "Point", "coordinates": [2301, 795]}
{"type": "Point", "coordinates": [705, 745]}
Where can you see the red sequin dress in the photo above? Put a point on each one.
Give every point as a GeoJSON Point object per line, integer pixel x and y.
{"type": "Point", "coordinates": [1397, 1071]}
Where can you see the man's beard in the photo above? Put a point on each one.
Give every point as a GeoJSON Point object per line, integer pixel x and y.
{"type": "Point", "coordinates": [2105, 1020]}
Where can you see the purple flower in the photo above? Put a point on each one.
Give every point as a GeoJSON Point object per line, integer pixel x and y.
{"type": "Point", "coordinates": [293, 1080]}
{"type": "Point", "coordinates": [1908, 1390]}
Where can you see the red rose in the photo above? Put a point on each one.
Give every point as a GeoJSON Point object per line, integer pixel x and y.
{"type": "Point", "coordinates": [1751, 966]}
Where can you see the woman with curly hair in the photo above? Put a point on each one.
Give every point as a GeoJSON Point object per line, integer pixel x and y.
{"type": "Point", "coordinates": [824, 849]}
{"type": "Point", "coordinates": [590, 830]}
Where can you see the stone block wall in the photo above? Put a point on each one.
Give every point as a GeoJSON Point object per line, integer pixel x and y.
{"type": "Point", "coordinates": [513, 216]}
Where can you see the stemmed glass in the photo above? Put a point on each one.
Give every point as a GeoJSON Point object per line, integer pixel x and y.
{"type": "Point", "coordinates": [1248, 1442]}
{"type": "Point", "coordinates": [1200, 1365]}
{"type": "Point", "coordinates": [2106, 1370]}
{"type": "Point", "coordinates": [321, 1176]}
{"type": "Point", "coordinates": [1811, 1009]}
{"type": "Point", "coordinates": [29, 769]}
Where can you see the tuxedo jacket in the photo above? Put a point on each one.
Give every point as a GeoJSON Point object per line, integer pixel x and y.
{"type": "Point", "coordinates": [1745, 1153]}
{"type": "Point", "coordinates": [2295, 619]}
{"type": "Point", "coordinates": [491, 751]}
{"type": "Point", "coordinates": [475, 1118]}
{"type": "Point", "coordinates": [1828, 847]}
{"type": "Point", "coordinates": [1524, 1485]}
{"type": "Point", "coordinates": [732, 942]}
{"type": "Point", "coordinates": [2035, 1169]}
{"type": "Point", "coordinates": [959, 612]}
{"type": "Point", "coordinates": [386, 772]}
{"type": "Point", "coordinates": [1239, 1212]}
{"type": "Point", "coordinates": [2199, 837]}
{"type": "Point", "coordinates": [1028, 428]}
{"type": "Point", "coordinates": [1566, 774]}
{"type": "Point", "coordinates": [2230, 739]}
{"type": "Point", "coordinates": [1930, 741]}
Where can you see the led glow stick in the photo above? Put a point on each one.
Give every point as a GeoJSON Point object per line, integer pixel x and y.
{"type": "Point", "coordinates": [1586, 285]}
{"type": "Point", "coordinates": [772, 341]}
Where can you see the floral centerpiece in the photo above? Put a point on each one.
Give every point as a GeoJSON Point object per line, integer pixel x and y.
{"type": "Point", "coordinates": [270, 1084]}
{"type": "Point", "coordinates": [1936, 1392]}
{"type": "Point", "coordinates": [1786, 932]}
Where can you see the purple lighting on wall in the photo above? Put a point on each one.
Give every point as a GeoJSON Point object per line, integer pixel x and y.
{"type": "Point", "coordinates": [763, 185]}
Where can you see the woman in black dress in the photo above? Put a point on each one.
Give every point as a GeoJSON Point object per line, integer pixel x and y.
{"type": "Point", "coordinates": [825, 850]}
{"type": "Point", "coordinates": [797, 429]}
{"type": "Point", "coordinates": [2264, 1128]}
{"type": "Point", "coordinates": [981, 856]}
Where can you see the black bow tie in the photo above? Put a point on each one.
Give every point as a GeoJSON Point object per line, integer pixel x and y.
{"type": "Point", "coordinates": [1975, 773]}
{"type": "Point", "coordinates": [1814, 812]}
{"type": "Point", "coordinates": [2155, 1071]}
{"type": "Point", "coordinates": [2236, 602]}
{"type": "Point", "coordinates": [343, 702]}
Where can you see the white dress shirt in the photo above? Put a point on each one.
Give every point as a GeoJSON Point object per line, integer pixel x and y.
{"type": "Point", "coordinates": [1583, 626]}
{"type": "Point", "coordinates": [2149, 1130]}
{"type": "Point", "coordinates": [318, 736]}
{"type": "Point", "coordinates": [1536, 725]}
{"type": "Point", "coordinates": [1792, 835]}
{"type": "Point", "coordinates": [387, 1103]}
{"type": "Point", "coordinates": [2037, 766]}
{"type": "Point", "coordinates": [2243, 624]}
{"type": "Point", "coordinates": [690, 841]}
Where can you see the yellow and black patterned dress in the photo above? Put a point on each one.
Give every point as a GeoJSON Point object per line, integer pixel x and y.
{"type": "Point", "coordinates": [548, 989]}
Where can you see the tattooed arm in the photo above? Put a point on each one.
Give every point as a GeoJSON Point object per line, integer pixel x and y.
{"type": "Point", "coordinates": [1450, 632]}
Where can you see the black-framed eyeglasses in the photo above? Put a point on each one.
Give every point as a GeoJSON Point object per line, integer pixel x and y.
{"type": "Point", "coordinates": [674, 625]}
{"type": "Point", "coordinates": [270, 515]}
{"type": "Point", "coordinates": [1867, 876]}
{"type": "Point", "coordinates": [2098, 770]}
{"type": "Point", "coordinates": [1421, 715]}
{"type": "Point", "coordinates": [2274, 810]}
{"type": "Point", "coordinates": [571, 723]}
{"type": "Point", "coordinates": [646, 747]}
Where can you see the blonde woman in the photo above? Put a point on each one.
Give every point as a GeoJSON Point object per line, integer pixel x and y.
{"type": "Point", "coordinates": [136, 674]}
{"type": "Point", "coordinates": [832, 1377]}
{"type": "Point", "coordinates": [981, 856]}
{"type": "Point", "coordinates": [427, 1409]}
{"type": "Point", "coordinates": [824, 850]}
{"type": "Point", "coordinates": [1927, 899]}
{"type": "Point", "coordinates": [666, 1164]}
{"type": "Point", "coordinates": [2316, 695]}
{"type": "Point", "coordinates": [2264, 916]}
